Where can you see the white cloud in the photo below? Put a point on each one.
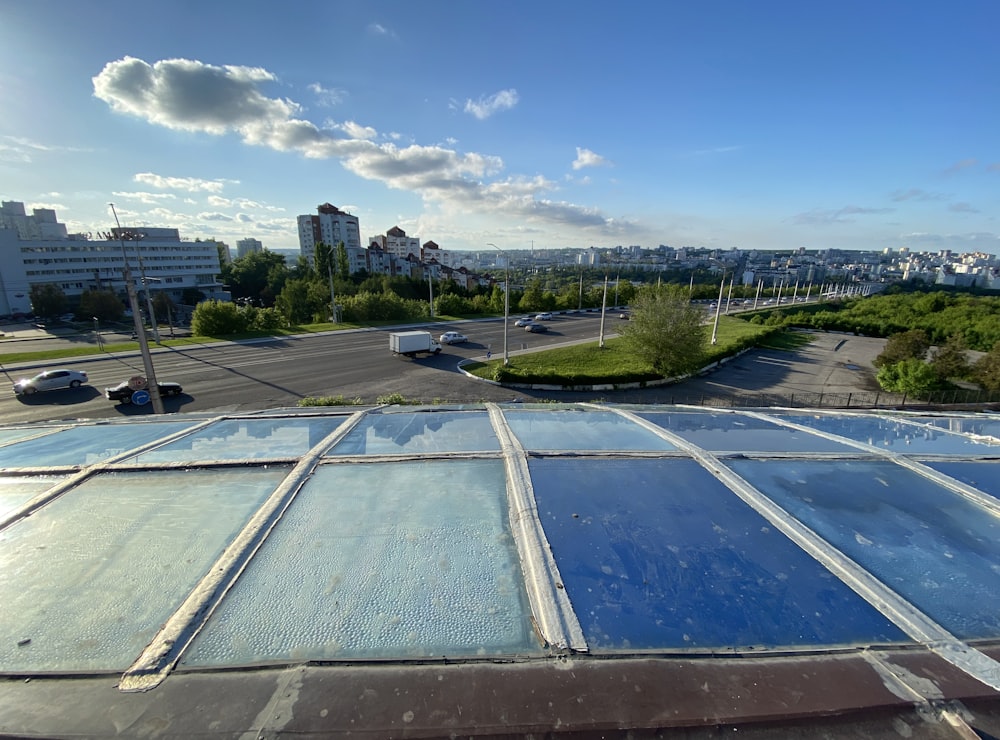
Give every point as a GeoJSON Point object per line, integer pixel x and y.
{"type": "Point", "coordinates": [819, 216]}
{"type": "Point", "coordinates": [379, 30]}
{"type": "Point", "coordinates": [188, 184]}
{"type": "Point", "coordinates": [916, 194]}
{"type": "Point", "coordinates": [192, 96]}
{"type": "Point", "coordinates": [327, 97]}
{"type": "Point", "coordinates": [486, 107]}
{"type": "Point", "coordinates": [587, 158]}
{"type": "Point", "coordinates": [144, 197]}
{"type": "Point", "coordinates": [963, 164]}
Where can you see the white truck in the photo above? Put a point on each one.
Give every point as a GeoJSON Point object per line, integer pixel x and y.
{"type": "Point", "coordinates": [410, 343]}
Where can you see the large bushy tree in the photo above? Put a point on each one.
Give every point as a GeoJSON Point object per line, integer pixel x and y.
{"type": "Point", "coordinates": [47, 299]}
{"type": "Point", "coordinates": [904, 345]}
{"type": "Point", "coordinates": [666, 330]}
{"type": "Point", "coordinates": [105, 305]}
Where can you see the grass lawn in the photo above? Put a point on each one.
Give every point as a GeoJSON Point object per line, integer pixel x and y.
{"type": "Point", "coordinates": [588, 364]}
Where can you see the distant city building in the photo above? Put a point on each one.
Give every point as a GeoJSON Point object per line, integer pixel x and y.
{"type": "Point", "coordinates": [396, 242]}
{"type": "Point", "coordinates": [37, 250]}
{"type": "Point", "coordinates": [330, 226]}
{"type": "Point", "coordinates": [248, 246]}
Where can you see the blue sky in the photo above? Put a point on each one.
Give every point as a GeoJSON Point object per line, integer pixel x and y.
{"type": "Point", "coordinates": [756, 124]}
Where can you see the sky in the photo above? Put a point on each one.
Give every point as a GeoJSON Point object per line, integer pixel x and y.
{"type": "Point", "coordinates": [756, 124]}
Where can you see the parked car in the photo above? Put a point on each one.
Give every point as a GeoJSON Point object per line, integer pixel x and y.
{"type": "Point", "coordinates": [544, 316]}
{"type": "Point", "coordinates": [524, 321]}
{"type": "Point", "coordinates": [536, 328]}
{"type": "Point", "coordinates": [452, 337]}
{"type": "Point", "coordinates": [50, 380]}
{"type": "Point", "coordinates": [124, 390]}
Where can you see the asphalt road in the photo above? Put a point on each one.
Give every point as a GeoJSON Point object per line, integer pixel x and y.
{"type": "Point", "coordinates": [227, 377]}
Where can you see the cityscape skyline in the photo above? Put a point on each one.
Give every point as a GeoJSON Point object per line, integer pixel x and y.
{"type": "Point", "coordinates": [769, 126]}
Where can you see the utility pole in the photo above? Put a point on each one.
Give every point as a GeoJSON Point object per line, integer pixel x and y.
{"type": "Point", "coordinates": [140, 330]}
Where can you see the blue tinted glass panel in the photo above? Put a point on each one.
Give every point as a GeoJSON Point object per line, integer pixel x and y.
{"type": "Point", "coordinates": [89, 578]}
{"type": "Point", "coordinates": [982, 475]}
{"type": "Point", "coordinates": [935, 548]}
{"type": "Point", "coordinates": [15, 492]}
{"type": "Point", "coordinates": [982, 426]}
{"type": "Point", "coordinates": [12, 435]}
{"type": "Point", "coordinates": [896, 436]}
{"type": "Point", "coordinates": [85, 445]}
{"type": "Point", "coordinates": [246, 439]}
{"type": "Point", "coordinates": [399, 433]}
{"type": "Point", "coordinates": [738, 433]}
{"type": "Point", "coordinates": [575, 429]}
{"type": "Point", "coordinates": [401, 560]}
{"type": "Point", "coordinates": [659, 554]}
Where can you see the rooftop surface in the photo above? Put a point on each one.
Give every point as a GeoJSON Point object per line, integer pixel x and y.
{"type": "Point", "coordinates": [502, 570]}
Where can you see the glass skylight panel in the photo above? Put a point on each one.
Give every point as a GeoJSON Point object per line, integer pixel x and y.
{"type": "Point", "coordinates": [16, 491]}
{"type": "Point", "coordinates": [979, 425]}
{"type": "Point", "coordinates": [739, 433]}
{"type": "Point", "coordinates": [419, 432]}
{"type": "Point", "coordinates": [982, 475]}
{"type": "Point", "coordinates": [578, 429]}
{"type": "Point", "coordinates": [246, 439]}
{"type": "Point", "coordinates": [87, 580]}
{"type": "Point", "coordinates": [658, 554]}
{"type": "Point", "coordinates": [85, 444]}
{"type": "Point", "coordinates": [936, 548]}
{"type": "Point", "coordinates": [385, 560]}
{"type": "Point", "coordinates": [12, 435]}
{"type": "Point", "coordinates": [894, 436]}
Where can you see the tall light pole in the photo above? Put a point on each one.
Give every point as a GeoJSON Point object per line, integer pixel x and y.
{"type": "Point", "coordinates": [140, 330]}
{"type": "Point", "coordinates": [506, 301]}
{"type": "Point", "coordinates": [718, 309]}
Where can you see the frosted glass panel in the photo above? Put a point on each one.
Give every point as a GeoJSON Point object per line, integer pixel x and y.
{"type": "Point", "coordinates": [895, 436]}
{"type": "Point", "coordinates": [581, 430]}
{"type": "Point", "coordinates": [659, 554]}
{"type": "Point", "coordinates": [12, 435]}
{"type": "Point", "coordinates": [737, 433]}
{"type": "Point", "coordinates": [17, 491]}
{"type": "Point", "coordinates": [86, 582]}
{"type": "Point", "coordinates": [982, 475]}
{"type": "Point", "coordinates": [397, 560]}
{"type": "Point", "coordinates": [85, 445]}
{"type": "Point", "coordinates": [935, 548]}
{"type": "Point", "coordinates": [246, 439]}
{"type": "Point", "coordinates": [439, 431]}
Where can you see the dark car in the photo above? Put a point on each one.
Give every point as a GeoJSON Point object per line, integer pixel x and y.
{"type": "Point", "coordinates": [124, 390]}
{"type": "Point", "coordinates": [536, 328]}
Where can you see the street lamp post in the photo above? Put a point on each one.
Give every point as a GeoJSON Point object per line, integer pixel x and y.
{"type": "Point", "coordinates": [718, 308]}
{"type": "Point", "coordinates": [506, 301]}
{"type": "Point", "coordinates": [145, 287]}
{"type": "Point", "coordinates": [97, 331]}
{"type": "Point", "coordinates": [140, 330]}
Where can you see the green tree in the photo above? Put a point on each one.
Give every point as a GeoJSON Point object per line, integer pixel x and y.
{"type": "Point", "coordinates": [323, 260]}
{"type": "Point", "coordinates": [217, 319]}
{"type": "Point", "coordinates": [258, 276]}
{"type": "Point", "coordinates": [343, 265]}
{"type": "Point", "coordinates": [163, 306]}
{"type": "Point", "coordinates": [47, 299]}
{"type": "Point", "coordinates": [950, 359]}
{"type": "Point", "coordinates": [533, 298]}
{"type": "Point", "coordinates": [911, 376]}
{"type": "Point", "coordinates": [986, 370]}
{"type": "Point", "coordinates": [104, 304]}
{"type": "Point", "coordinates": [666, 330]}
{"type": "Point", "coordinates": [906, 345]}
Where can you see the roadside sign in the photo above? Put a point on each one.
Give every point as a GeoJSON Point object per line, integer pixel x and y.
{"type": "Point", "coordinates": [140, 398]}
{"type": "Point", "coordinates": [137, 382]}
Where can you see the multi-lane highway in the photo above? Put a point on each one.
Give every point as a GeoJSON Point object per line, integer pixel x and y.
{"type": "Point", "coordinates": [277, 373]}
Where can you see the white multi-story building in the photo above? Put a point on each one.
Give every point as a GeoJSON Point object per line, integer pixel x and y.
{"type": "Point", "coordinates": [37, 250]}
{"type": "Point", "coordinates": [330, 226]}
{"type": "Point", "coordinates": [397, 243]}
{"type": "Point", "coordinates": [248, 246]}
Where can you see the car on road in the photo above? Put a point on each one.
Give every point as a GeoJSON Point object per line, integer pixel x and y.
{"type": "Point", "coordinates": [536, 328]}
{"type": "Point", "coordinates": [524, 321]}
{"type": "Point", "coordinates": [124, 390]}
{"type": "Point", "coordinates": [544, 316]}
{"type": "Point", "coordinates": [452, 337]}
{"type": "Point", "coordinates": [50, 380]}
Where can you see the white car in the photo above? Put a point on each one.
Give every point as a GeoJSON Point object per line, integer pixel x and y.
{"type": "Point", "coordinates": [452, 337]}
{"type": "Point", "coordinates": [524, 321]}
{"type": "Point", "coordinates": [546, 316]}
{"type": "Point", "coordinates": [50, 380]}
